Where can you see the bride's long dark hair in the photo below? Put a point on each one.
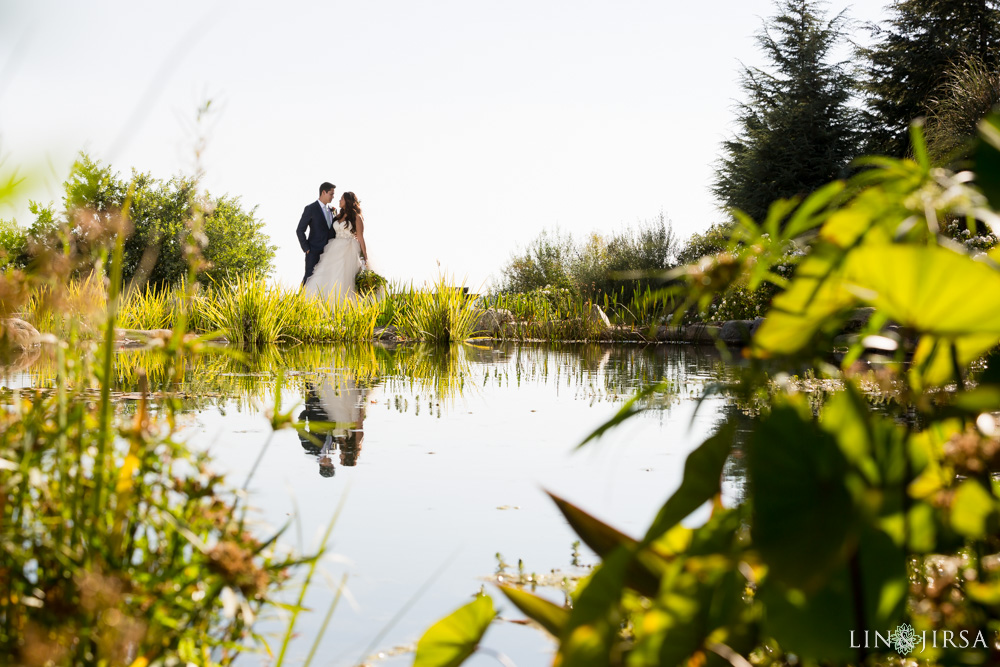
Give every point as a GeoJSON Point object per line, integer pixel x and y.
{"type": "Point", "coordinates": [351, 211]}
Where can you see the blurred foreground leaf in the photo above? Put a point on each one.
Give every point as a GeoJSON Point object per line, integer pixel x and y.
{"type": "Point", "coordinates": [455, 637]}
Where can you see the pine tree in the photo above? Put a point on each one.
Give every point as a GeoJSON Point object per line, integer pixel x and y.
{"type": "Point", "coordinates": [913, 53]}
{"type": "Point", "coordinates": [797, 129]}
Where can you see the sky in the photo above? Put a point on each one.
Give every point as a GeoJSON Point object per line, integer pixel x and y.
{"type": "Point", "coordinates": [465, 127]}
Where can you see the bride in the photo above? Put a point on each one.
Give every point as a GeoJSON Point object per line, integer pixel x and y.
{"type": "Point", "coordinates": [333, 277]}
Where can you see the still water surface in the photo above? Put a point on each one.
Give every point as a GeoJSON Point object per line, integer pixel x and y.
{"type": "Point", "coordinates": [442, 460]}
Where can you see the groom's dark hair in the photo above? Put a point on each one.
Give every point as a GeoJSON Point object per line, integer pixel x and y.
{"type": "Point", "coordinates": [326, 187]}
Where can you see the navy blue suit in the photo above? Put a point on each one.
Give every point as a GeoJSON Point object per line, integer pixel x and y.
{"type": "Point", "coordinates": [319, 233]}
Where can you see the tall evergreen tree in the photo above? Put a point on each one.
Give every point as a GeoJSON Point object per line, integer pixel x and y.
{"type": "Point", "coordinates": [911, 58]}
{"type": "Point", "coordinates": [797, 129]}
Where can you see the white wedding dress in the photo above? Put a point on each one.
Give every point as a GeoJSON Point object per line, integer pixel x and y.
{"type": "Point", "coordinates": [333, 277]}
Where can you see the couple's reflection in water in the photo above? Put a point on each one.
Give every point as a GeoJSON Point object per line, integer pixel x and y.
{"type": "Point", "coordinates": [332, 422]}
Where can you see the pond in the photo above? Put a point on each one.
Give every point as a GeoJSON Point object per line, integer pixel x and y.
{"type": "Point", "coordinates": [442, 458]}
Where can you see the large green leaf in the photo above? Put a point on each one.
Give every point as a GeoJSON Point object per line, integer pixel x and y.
{"type": "Point", "coordinates": [701, 482]}
{"type": "Point", "coordinates": [804, 517]}
{"type": "Point", "coordinates": [549, 615]}
{"type": "Point", "coordinates": [933, 290]}
{"type": "Point", "coordinates": [590, 635]}
{"type": "Point", "coordinates": [701, 592]}
{"type": "Point", "coordinates": [455, 637]}
{"type": "Point", "coordinates": [596, 534]}
{"type": "Point", "coordinates": [817, 625]}
{"type": "Point", "coordinates": [875, 446]}
{"type": "Point", "coordinates": [644, 569]}
{"type": "Point", "coordinates": [845, 226]}
{"type": "Point", "coordinates": [810, 303]}
{"type": "Point", "coordinates": [881, 565]}
{"type": "Point", "coordinates": [973, 510]}
{"type": "Point", "coordinates": [935, 359]}
{"type": "Point", "coordinates": [810, 213]}
{"type": "Point", "coordinates": [677, 624]}
{"type": "Point", "coordinates": [811, 626]}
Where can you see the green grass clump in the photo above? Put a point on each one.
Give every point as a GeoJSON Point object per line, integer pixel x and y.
{"type": "Point", "coordinates": [248, 311]}
{"type": "Point", "coordinates": [440, 313]}
{"type": "Point", "coordinates": [147, 308]}
{"type": "Point", "coordinates": [317, 319]}
{"type": "Point", "coordinates": [76, 308]}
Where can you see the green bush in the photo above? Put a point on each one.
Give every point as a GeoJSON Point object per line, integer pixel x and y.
{"type": "Point", "coordinates": [547, 261]}
{"type": "Point", "coordinates": [712, 241]}
{"type": "Point", "coordinates": [13, 244]}
{"type": "Point", "coordinates": [738, 302]}
{"type": "Point", "coordinates": [166, 219]}
{"type": "Point", "coordinates": [622, 263]}
{"type": "Point", "coordinates": [628, 261]}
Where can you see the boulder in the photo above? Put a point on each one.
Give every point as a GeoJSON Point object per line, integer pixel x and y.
{"type": "Point", "coordinates": [739, 332]}
{"type": "Point", "coordinates": [142, 335]}
{"type": "Point", "coordinates": [701, 333]}
{"type": "Point", "coordinates": [491, 320]}
{"type": "Point", "coordinates": [17, 361]}
{"type": "Point", "coordinates": [17, 334]}
{"type": "Point", "coordinates": [666, 334]}
{"type": "Point", "coordinates": [386, 333]}
{"type": "Point", "coordinates": [857, 320]}
{"type": "Point", "coordinates": [597, 318]}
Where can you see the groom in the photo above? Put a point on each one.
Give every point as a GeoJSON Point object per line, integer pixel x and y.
{"type": "Point", "coordinates": [318, 219]}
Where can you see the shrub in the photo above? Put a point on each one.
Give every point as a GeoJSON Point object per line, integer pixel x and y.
{"type": "Point", "coordinates": [713, 240]}
{"type": "Point", "coordinates": [118, 544]}
{"type": "Point", "coordinates": [628, 261]}
{"type": "Point", "coordinates": [546, 261]}
{"type": "Point", "coordinates": [161, 215]}
{"type": "Point", "coordinates": [13, 245]}
{"type": "Point", "coordinates": [623, 263]}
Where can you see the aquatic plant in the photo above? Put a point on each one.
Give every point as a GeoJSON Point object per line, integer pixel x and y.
{"type": "Point", "coordinates": [856, 520]}
{"type": "Point", "coordinates": [440, 312]}
{"type": "Point", "coordinates": [76, 308]}
{"type": "Point", "coordinates": [118, 542]}
{"type": "Point", "coordinates": [249, 311]}
{"type": "Point", "coordinates": [148, 308]}
{"type": "Point", "coordinates": [119, 546]}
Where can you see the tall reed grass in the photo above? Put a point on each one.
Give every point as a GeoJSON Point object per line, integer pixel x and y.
{"type": "Point", "coordinates": [440, 312]}
{"type": "Point", "coordinates": [118, 544]}
{"type": "Point", "coordinates": [551, 315]}
{"type": "Point", "coordinates": [250, 311]}
{"type": "Point", "coordinates": [74, 309]}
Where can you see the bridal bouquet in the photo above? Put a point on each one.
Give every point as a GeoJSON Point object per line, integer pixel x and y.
{"type": "Point", "coordinates": [369, 281]}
